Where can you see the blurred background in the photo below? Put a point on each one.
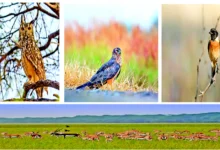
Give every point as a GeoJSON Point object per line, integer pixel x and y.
{"type": "Point", "coordinates": [91, 33]}
{"type": "Point", "coordinates": [182, 34]}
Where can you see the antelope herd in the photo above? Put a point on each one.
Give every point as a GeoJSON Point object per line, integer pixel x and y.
{"type": "Point", "coordinates": [127, 135]}
{"type": "Point", "coordinates": [31, 134]}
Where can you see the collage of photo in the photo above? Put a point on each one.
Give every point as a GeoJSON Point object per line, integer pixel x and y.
{"type": "Point", "coordinates": [109, 75]}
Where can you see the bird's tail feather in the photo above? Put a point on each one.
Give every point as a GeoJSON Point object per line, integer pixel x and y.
{"type": "Point", "coordinates": [83, 86]}
{"type": "Point", "coordinates": [213, 70]}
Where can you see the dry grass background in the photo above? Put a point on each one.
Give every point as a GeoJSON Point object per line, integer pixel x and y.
{"type": "Point", "coordinates": [77, 74]}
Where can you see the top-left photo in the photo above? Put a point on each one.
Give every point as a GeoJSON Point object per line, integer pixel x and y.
{"type": "Point", "coordinates": [29, 52]}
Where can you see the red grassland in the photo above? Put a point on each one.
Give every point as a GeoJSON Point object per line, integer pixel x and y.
{"type": "Point", "coordinates": [139, 43]}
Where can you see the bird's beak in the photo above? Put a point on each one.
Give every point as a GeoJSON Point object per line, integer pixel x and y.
{"type": "Point", "coordinates": [210, 32]}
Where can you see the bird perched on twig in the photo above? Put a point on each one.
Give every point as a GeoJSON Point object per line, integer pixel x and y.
{"type": "Point", "coordinates": [107, 73]}
{"type": "Point", "coordinates": [213, 50]}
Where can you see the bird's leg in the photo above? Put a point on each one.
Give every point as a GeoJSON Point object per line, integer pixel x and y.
{"type": "Point", "coordinates": [217, 67]}
{"type": "Point", "coordinates": [110, 86]}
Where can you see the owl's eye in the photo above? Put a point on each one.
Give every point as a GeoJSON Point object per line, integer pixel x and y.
{"type": "Point", "coordinates": [22, 28]}
{"type": "Point", "coordinates": [29, 28]}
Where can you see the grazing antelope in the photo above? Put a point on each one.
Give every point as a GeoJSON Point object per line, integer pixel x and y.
{"type": "Point", "coordinates": [108, 137]}
{"type": "Point", "coordinates": [123, 136]}
{"type": "Point", "coordinates": [3, 133]}
{"type": "Point", "coordinates": [6, 135]}
{"type": "Point", "coordinates": [100, 133]}
{"type": "Point", "coordinates": [141, 137]}
{"type": "Point", "coordinates": [216, 131]}
{"type": "Point", "coordinates": [90, 137]}
{"type": "Point", "coordinates": [189, 137]}
{"type": "Point", "coordinates": [28, 133]}
{"type": "Point", "coordinates": [186, 131]}
{"type": "Point", "coordinates": [157, 131]}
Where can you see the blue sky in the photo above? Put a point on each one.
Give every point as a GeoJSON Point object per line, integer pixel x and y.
{"type": "Point", "coordinates": [68, 110]}
{"type": "Point", "coordinates": [138, 14]}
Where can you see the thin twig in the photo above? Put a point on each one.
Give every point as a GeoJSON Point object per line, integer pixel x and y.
{"type": "Point", "coordinates": [203, 51]}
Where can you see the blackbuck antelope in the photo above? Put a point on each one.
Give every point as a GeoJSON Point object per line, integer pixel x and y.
{"type": "Point", "coordinates": [36, 136]}
{"type": "Point", "coordinates": [162, 137]}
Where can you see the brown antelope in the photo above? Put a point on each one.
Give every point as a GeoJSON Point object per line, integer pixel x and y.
{"type": "Point", "coordinates": [189, 137]}
{"type": "Point", "coordinates": [123, 136]}
{"type": "Point", "coordinates": [99, 133]}
{"type": "Point", "coordinates": [108, 137]}
{"type": "Point", "coordinates": [3, 133]}
{"type": "Point", "coordinates": [141, 137]}
{"type": "Point", "coordinates": [6, 135]}
{"type": "Point", "coordinates": [185, 131]}
{"type": "Point", "coordinates": [157, 131]}
{"type": "Point", "coordinates": [90, 137]}
{"type": "Point", "coordinates": [28, 133]}
{"type": "Point", "coordinates": [216, 131]}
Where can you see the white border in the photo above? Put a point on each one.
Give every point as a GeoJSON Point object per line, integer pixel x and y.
{"type": "Point", "coordinates": [125, 2]}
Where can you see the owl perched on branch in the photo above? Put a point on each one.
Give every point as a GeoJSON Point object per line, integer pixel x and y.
{"type": "Point", "coordinates": [31, 57]}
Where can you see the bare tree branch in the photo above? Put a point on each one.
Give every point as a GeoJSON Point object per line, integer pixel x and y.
{"type": "Point", "coordinates": [50, 37]}
{"type": "Point", "coordinates": [203, 51]}
{"type": "Point", "coordinates": [8, 53]}
{"type": "Point", "coordinates": [17, 14]}
{"type": "Point", "coordinates": [47, 55]}
{"type": "Point", "coordinates": [40, 83]}
{"type": "Point", "coordinates": [30, 9]}
{"type": "Point", "coordinates": [47, 12]}
{"type": "Point", "coordinates": [8, 5]}
{"type": "Point", "coordinates": [11, 33]}
{"type": "Point", "coordinates": [54, 7]}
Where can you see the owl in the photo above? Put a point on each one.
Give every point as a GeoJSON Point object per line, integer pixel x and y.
{"type": "Point", "coordinates": [31, 58]}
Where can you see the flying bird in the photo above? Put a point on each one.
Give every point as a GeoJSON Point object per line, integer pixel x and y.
{"type": "Point", "coordinates": [213, 50]}
{"type": "Point", "coordinates": [107, 73]}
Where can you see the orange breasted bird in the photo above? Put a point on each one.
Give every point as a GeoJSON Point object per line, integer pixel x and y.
{"type": "Point", "coordinates": [213, 50]}
{"type": "Point", "coordinates": [107, 73]}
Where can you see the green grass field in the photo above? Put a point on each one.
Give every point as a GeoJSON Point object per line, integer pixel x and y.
{"type": "Point", "coordinates": [49, 142]}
